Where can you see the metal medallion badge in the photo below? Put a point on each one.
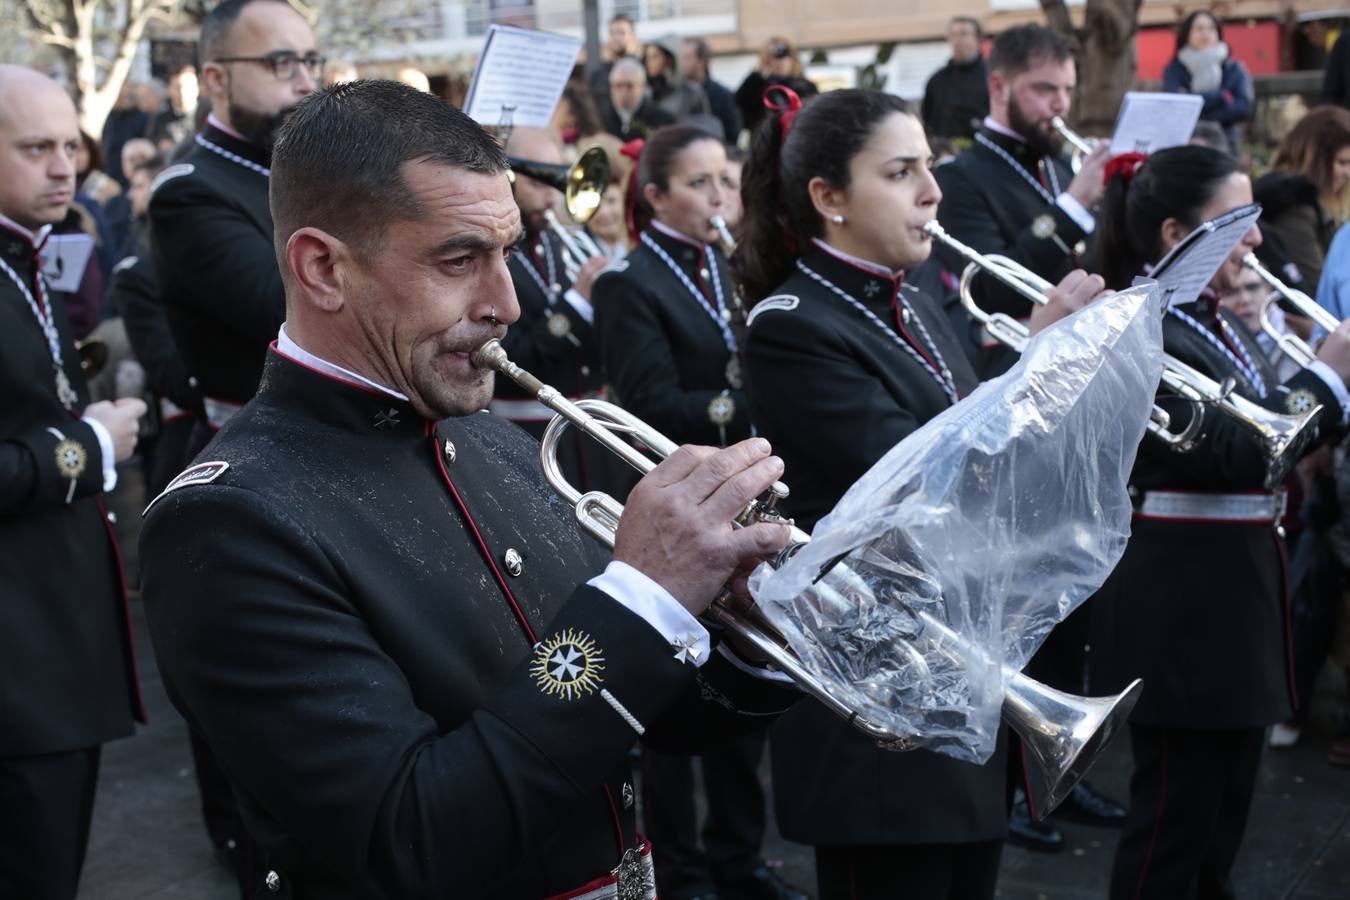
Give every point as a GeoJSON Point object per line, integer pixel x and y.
{"type": "Point", "coordinates": [1043, 226]}
{"type": "Point", "coordinates": [568, 665]}
{"type": "Point", "coordinates": [559, 325]}
{"type": "Point", "coordinates": [71, 459]}
{"type": "Point", "coordinates": [1300, 401]}
{"type": "Point", "coordinates": [721, 409]}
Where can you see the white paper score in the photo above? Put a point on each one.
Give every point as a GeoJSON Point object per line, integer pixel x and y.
{"type": "Point", "coordinates": [523, 70]}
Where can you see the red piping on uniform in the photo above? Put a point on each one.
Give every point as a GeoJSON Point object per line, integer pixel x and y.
{"type": "Point", "coordinates": [1026, 782]}
{"type": "Point", "coordinates": [510, 598]}
{"type": "Point", "coordinates": [482, 544]}
{"type": "Point", "coordinates": [1288, 624]}
{"type": "Point", "coordinates": [126, 609]}
{"type": "Point", "coordinates": [1157, 826]}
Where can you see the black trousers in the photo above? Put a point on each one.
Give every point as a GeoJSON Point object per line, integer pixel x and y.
{"type": "Point", "coordinates": [1190, 794]}
{"type": "Point", "coordinates": [733, 832]}
{"type": "Point", "coordinates": [45, 806]}
{"type": "Point", "coordinates": [909, 872]}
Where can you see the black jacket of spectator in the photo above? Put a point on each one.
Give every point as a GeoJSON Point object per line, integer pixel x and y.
{"type": "Point", "coordinates": [647, 118]}
{"type": "Point", "coordinates": [1336, 80]}
{"type": "Point", "coordinates": [956, 99]}
{"type": "Point", "coordinates": [750, 95]}
{"type": "Point", "coordinates": [121, 126]}
{"type": "Point", "coordinates": [722, 103]}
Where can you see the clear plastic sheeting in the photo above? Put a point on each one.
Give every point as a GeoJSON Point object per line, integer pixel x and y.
{"type": "Point", "coordinates": [946, 565]}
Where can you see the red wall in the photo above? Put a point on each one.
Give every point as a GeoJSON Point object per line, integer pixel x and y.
{"type": "Point", "coordinates": [1256, 45]}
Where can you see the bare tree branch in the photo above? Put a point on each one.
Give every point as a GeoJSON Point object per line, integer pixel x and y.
{"type": "Point", "coordinates": [1057, 17]}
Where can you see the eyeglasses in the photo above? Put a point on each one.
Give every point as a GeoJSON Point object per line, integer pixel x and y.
{"type": "Point", "coordinates": [283, 63]}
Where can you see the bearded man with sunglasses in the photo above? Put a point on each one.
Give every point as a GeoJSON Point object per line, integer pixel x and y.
{"type": "Point", "coordinates": [211, 229]}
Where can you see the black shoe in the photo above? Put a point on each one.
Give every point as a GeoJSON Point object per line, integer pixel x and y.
{"type": "Point", "coordinates": [1039, 836]}
{"type": "Point", "coordinates": [761, 884]}
{"type": "Point", "coordinates": [1091, 808]}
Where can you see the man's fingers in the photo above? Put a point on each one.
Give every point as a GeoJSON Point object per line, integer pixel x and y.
{"type": "Point", "coordinates": [732, 495]}
{"type": "Point", "coordinates": [676, 467]}
{"type": "Point", "coordinates": [722, 465]}
{"type": "Point", "coordinates": [762, 539]}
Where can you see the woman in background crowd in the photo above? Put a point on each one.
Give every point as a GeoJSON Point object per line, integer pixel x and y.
{"type": "Point", "coordinates": [1204, 66]}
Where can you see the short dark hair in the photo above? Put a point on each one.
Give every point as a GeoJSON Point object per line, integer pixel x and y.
{"type": "Point", "coordinates": [216, 27]}
{"type": "Point", "coordinates": [622, 17]}
{"type": "Point", "coordinates": [1184, 29]}
{"type": "Point", "coordinates": [1018, 49]}
{"type": "Point", "coordinates": [338, 160]}
{"type": "Point", "coordinates": [152, 166]}
{"type": "Point", "coordinates": [967, 20]}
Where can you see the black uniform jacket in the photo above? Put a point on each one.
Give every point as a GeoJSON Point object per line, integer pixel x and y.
{"type": "Point", "coordinates": [136, 293]}
{"type": "Point", "coordinates": [67, 670]}
{"type": "Point", "coordinates": [401, 716]}
{"type": "Point", "coordinates": [664, 355]}
{"type": "Point", "coordinates": [1199, 609]}
{"type": "Point", "coordinates": [211, 232]}
{"type": "Point", "coordinates": [562, 351]}
{"type": "Point", "coordinates": [987, 204]}
{"type": "Point", "coordinates": [833, 393]}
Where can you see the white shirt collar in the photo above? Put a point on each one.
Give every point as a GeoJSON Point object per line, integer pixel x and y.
{"type": "Point", "coordinates": [216, 123]}
{"type": "Point", "coordinates": [34, 238]}
{"type": "Point", "coordinates": [1004, 130]}
{"type": "Point", "coordinates": [677, 235]}
{"type": "Point", "coordinates": [289, 348]}
{"type": "Point", "coordinates": [866, 265]}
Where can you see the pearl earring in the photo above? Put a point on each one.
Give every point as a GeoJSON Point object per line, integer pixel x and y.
{"type": "Point", "coordinates": [837, 219]}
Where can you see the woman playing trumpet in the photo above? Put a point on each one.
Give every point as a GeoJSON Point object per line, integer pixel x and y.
{"type": "Point", "coordinates": [1197, 605]}
{"type": "Point", "coordinates": [844, 358]}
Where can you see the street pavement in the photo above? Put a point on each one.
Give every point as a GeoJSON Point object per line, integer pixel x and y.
{"type": "Point", "coordinates": [148, 843]}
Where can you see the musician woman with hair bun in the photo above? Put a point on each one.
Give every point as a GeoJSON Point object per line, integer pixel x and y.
{"type": "Point", "coordinates": [844, 358]}
{"type": "Point", "coordinates": [1197, 606]}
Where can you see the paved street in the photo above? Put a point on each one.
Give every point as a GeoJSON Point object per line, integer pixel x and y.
{"type": "Point", "coordinates": [148, 842]}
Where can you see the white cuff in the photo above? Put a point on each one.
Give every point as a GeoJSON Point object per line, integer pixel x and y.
{"type": "Point", "coordinates": [1328, 374]}
{"type": "Point", "coordinates": [688, 639]}
{"type": "Point", "coordinates": [580, 304]}
{"type": "Point", "coordinates": [767, 674]}
{"type": "Point", "coordinates": [1076, 211]}
{"type": "Point", "coordinates": [107, 451]}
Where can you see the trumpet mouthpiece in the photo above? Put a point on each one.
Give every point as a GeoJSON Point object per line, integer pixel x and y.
{"type": "Point", "coordinates": [489, 355]}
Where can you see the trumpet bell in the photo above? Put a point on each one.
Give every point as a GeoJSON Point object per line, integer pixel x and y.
{"type": "Point", "coordinates": [582, 184]}
{"type": "Point", "coordinates": [1064, 733]}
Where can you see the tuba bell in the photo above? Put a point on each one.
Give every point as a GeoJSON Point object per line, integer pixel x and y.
{"type": "Point", "coordinates": [1063, 732]}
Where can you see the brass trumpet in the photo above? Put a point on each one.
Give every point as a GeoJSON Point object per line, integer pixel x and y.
{"type": "Point", "coordinates": [1081, 146]}
{"type": "Point", "coordinates": [1063, 732]}
{"type": "Point", "coordinates": [1290, 344]}
{"type": "Point", "coordinates": [93, 355]}
{"type": "Point", "coordinates": [583, 187]}
{"type": "Point", "coordinates": [1283, 436]}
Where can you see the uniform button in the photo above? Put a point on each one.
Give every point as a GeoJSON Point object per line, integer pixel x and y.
{"type": "Point", "coordinates": [193, 382]}
{"type": "Point", "coordinates": [513, 561]}
{"type": "Point", "coordinates": [112, 517]}
{"type": "Point", "coordinates": [585, 371]}
{"type": "Point", "coordinates": [273, 881]}
{"type": "Point", "coordinates": [449, 452]}
{"type": "Point", "coordinates": [704, 274]}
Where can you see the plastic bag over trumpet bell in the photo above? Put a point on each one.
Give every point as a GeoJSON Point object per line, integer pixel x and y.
{"type": "Point", "coordinates": [946, 565]}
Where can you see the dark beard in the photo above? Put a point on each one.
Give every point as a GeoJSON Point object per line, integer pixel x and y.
{"type": "Point", "coordinates": [1040, 143]}
{"type": "Point", "coordinates": [259, 129]}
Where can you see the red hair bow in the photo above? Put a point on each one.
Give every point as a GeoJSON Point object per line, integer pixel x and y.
{"type": "Point", "coordinates": [1125, 165]}
{"type": "Point", "coordinates": [632, 150]}
{"type": "Point", "coordinates": [787, 108]}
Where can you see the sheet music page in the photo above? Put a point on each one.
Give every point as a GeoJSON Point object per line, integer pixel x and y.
{"type": "Point", "coordinates": [1149, 122]}
{"type": "Point", "coordinates": [1183, 273]}
{"type": "Point", "coordinates": [523, 69]}
{"type": "Point", "coordinates": [64, 257]}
